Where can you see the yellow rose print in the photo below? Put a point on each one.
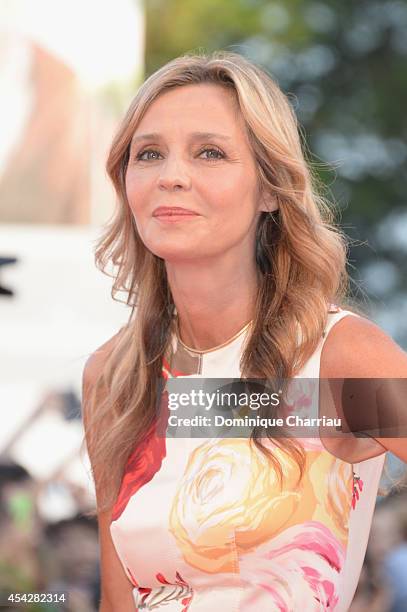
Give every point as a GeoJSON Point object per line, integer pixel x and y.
{"type": "Point", "coordinates": [332, 482]}
{"type": "Point", "coordinates": [229, 501]}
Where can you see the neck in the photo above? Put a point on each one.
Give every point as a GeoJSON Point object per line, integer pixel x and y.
{"type": "Point", "coordinates": [212, 307]}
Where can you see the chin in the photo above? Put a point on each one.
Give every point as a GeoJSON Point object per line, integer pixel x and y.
{"type": "Point", "coordinates": [173, 253]}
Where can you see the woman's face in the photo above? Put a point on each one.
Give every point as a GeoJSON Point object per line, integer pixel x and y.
{"type": "Point", "coordinates": [191, 150]}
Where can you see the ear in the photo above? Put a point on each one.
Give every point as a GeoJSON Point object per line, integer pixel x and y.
{"type": "Point", "coordinates": [268, 202]}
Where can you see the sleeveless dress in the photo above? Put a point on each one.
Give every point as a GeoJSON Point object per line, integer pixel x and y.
{"type": "Point", "coordinates": [202, 525]}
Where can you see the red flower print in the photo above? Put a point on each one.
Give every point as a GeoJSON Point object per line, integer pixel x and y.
{"type": "Point", "coordinates": [144, 462]}
{"type": "Point", "coordinates": [147, 458]}
{"type": "Point", "coordinates": [357, 486]}
{"type": "Point", "coordinates": [155, 597]}
{"type": "Point", "coordinates": [168, 372]}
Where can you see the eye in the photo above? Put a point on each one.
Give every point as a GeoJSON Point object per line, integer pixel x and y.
{"type": "Point", "coordinates": [140, 155]}
{"type": "Point", "coordinates": [219, 154]}
{"type": "Point", "coordinates": [152, 154]}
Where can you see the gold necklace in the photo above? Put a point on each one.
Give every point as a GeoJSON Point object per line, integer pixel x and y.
{"type": "Point", "coordinates": [215, 348]}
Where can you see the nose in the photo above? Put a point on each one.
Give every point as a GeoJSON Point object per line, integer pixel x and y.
{"type": "Point", "coordinates": [173, 175]}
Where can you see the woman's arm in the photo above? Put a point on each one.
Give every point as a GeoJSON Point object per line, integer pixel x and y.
{"type": "Point", "coordinates": [116, 589]}
{"type": "Point", "coordinates": [357, 348]}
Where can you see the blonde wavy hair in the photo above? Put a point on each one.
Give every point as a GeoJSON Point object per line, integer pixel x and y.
{"type": "Point", "coordinates": [301, 257]}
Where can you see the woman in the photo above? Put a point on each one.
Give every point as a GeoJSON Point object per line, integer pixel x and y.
{"type": "Point", "coordinates": [246, 281]}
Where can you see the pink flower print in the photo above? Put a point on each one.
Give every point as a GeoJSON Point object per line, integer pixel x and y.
{"type": "Point", "coordinates": [298, 397]}
{"type": "Point", "coordinates": [357, 486]}
{"type": "Point", "coordinates": [299, 569]}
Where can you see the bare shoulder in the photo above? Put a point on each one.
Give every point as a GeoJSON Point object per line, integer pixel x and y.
{"type": "Point", "coordinates": [92, 370]}
{"type": "Point", "coordinates": [356, 347]}
{"type": "Point", "coordinates": [96, 361]}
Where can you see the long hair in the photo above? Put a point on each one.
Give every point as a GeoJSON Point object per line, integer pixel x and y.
{"type": "Point", "coordinates": [300, 254]}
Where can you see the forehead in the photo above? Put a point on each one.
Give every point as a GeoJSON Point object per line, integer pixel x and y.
{"type": "Point", "coordinates": [205, 105]}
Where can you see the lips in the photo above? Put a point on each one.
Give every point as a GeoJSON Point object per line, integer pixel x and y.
{"type": "Point", "coordinates": [169, 211]}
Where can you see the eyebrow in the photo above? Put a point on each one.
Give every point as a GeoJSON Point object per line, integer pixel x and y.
{"type": "Point", "coordinates": [193, 136]}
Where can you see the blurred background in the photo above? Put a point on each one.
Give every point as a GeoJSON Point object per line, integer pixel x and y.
{"type": "Point", "coordinates": [68, 71]}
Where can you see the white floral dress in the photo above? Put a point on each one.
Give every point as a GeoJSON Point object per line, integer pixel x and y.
{"type": "Point", "coordinates": [202, 525]}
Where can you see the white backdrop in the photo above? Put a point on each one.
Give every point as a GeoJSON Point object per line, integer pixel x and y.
{"type": "Point", "coordinates": [62, 311]}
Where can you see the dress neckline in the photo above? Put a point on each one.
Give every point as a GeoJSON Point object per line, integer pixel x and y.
{"type": "Point", "coordinates": [212, 349]}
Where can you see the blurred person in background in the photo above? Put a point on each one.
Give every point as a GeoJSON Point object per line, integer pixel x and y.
{"type": "Point", "coordinates": [385, 533]}
{"type": "Point", "coordinates": [20, 530]}
{"type": "Point", "coordinates": [221, 288]}
{"type": "Point", "coordinates": [71, 553]}
{"type": "Point", "coordinates": [372, 592]}
{"type": "Point", "coordinates": [395, 559]}
{"type": "Point", "coordinates": [382, 585]}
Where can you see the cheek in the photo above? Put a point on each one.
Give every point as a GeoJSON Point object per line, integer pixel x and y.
{"type": "Point", "coordinates": [237, 194]}
{"type": "Point", "coordinates": [135, 191]}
